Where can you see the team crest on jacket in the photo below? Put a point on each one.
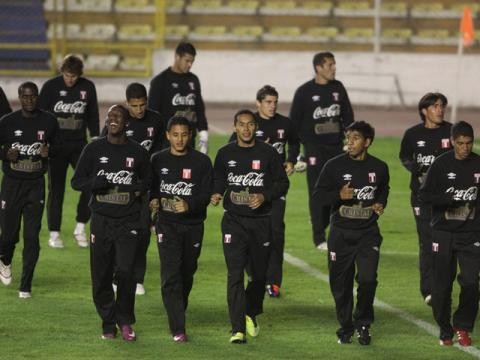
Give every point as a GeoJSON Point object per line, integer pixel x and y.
{"type": "Point", "coordinates": [333, 256]}
{"type": "Point", "coordinates": [92, 238]}
{"type": "Point", "coordinates": [187, 174]}
{"type": "Point", "coordinates": [83, 95]}
{"type": "Point", "coordinates": [40, 135]}
{"type": "Point", "coordinates": [435, 247]}
{"type": "Point", "coordinates": [192, 85]}
{"type": "Point", "coordinates": [255, 164]}
{"type": "Point", "coordinates": [280, 133]}
{"type": "Point", "coordinates": [445, 143]}
{"type": "Point", "coordinates": [335, 96]}
{"type": "Point", "coordinates": [477, 178]}
{"type": "Point", "coordinates": [227, 238]}
{"type": "Point", "coordinates": [160, 238]}
{"type": "Point", "coordinates": [372, 177]}
{"type": "Point", "coordinates": [129, 162]}
{"type": "Point", "coordinates": [312, 160]}
{"type": "Point", "coordinates": [150, 131]}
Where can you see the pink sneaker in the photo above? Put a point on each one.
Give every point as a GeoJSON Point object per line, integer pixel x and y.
{"type": "Point", "coordinates": [127, 333]}
{"type": "Point", "coordinates": [180, 337]}
{"type": "Point", "coordinates": [464, 338]}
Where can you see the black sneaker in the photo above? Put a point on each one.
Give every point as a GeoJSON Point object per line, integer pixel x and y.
{"type": "Point", "coordinates": [344, 339]}
{"type": "Point", "coordinates": [363, 335]}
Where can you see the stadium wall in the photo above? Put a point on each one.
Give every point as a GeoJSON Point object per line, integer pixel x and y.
{"type": "Point", "coordinates": [389, 79]}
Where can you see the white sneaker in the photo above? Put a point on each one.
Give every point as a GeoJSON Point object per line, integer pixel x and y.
{"type": "Point", "coordinates": [5, 273]}
{"type": "Point", "coordinates": [114, 287]}
{"type": "Point", "coordinates": [322, 246]}
{"type": "Point", "coordinates": [24, 294]}
{"type": "Point", "coordinates": [140, 289]}
{"type": "Point", "coordinates": [56, 243]}
{"type": "Point", "coordinates": [300, 166]}
{"type": "Point", "coordinates": [428, 300]}
{"type": "Point", "coordinates": [81, 239]}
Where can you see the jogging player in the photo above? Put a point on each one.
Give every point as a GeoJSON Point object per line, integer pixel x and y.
{"type": "Point", "coordinates": [278, 131]}
{"type": "Point", "coordinates": [147, 128]}
{"type": "Point", "coordinates": [421, 144]}
{"type": "Point", "coordinates": [28, 138]}
{"type": "Point", "coordinates": [451, 187]}
{"type": "Point", "coordinates": [355, 185]}
{"type": "Point", "coordinates": [73, 101]}
{"type": "Point", "coordinates": [321, 111]}
{"type": "Point", "coordinates": [176, 92]}
{"type": "Point", "coordinates": [182, 185]}
{"type": "Point", "coordinates": [116, 170]}
{"type": "Point", "coordinates": [248, 175]}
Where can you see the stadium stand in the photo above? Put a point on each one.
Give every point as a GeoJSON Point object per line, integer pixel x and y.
{"type": "Point", "coordinates": [135, 32]}
{"type": "Point", "coordinates": [135, 6]}
{"type": "Point", "coordinates": [175, 6]}
{"type": "Point", "coordinates": [282, 34]}
{"type": "Point", "coordinates": [276, 7]}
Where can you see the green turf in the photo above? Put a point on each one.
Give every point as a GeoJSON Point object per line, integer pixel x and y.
{"type": "Point", "coordinates": [60, 321]}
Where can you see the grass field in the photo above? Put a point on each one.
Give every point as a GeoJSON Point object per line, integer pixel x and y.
{"type": "Point", "coordinates": [60, 322]}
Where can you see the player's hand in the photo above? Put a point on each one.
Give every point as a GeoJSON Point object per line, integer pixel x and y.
{"type": "Point", "coordinates": [154, 205]}
{"type": "Point", "coordinates": [346, 192]}
{"type": "Point", "coordinates": [255, 201]}
{"type": "Point", "coordinates": [288, 168]}
{"type": "Point", "coordinates": [181, 205]}
{"type": "Point", "coordinates": [215, 199]}
{"type": "Point", "coordinates": [44, 151]}
{"type": "Point", "coordinates": [12, 154]}
{"type": "Point", "coordinates": [377, 208]}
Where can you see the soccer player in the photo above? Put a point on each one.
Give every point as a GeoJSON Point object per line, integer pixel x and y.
{"type": "Point", "coordinates": [176, 92]}
{"type": "Point", "coordinates": [248, 175]}
{"type": "Point", "coordinates": [146, 127]}
{"type": "Point", "coordinates": [321, 111]}
{"type": "Point", "coordinates": [4, 105]}
{"type": "Point", "coordinates": [181, 189]}
{"type": "Point", "coordinates": [421, 144]}
{"type": "Point", "coordinates": [73, 100]}
{"type": "Point", "coordinates": [28, 138]}
{"type": "Point", "coordinates": [116, 171]}
{"type": "Point", "coordinates": [355, 185]}
{"type": "Point", "coordinates": [278, 131]}
{"type": "Point", "coordinates": [452, 187]}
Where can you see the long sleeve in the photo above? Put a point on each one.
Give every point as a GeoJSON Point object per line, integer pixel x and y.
{"type": "Point", "coordinates": [297, 111]}
{"type": "Point", "coordinates": [431, 189]}
{"type": "Point", "coordinates": [381, 195]}
{"type": "Point", "coordinates": [93, 122]}
{"type": "Point", "coordinates": [155, 94]}
{"type": "Point", "coordinates": [280, 182]}
{"type": "Point", "coordinates": [83, 177]}
{"type": "Point", "coordinates": [325, 190]}
{"type": "Point", "coordinates": [219, 176]}
{"type": "Point", "coordinates": [200, 201]}
{"type": "Point", "coordinates": [293, 145]}
{"type": "Point", "coordinates": [4, 105]}
{"type": "Point", "coordinates": [202, 123]}
{"type": "Point", "coordinates": [406, 154]}
{"type": "Point", "coordinates": [55, 144]}
{"type": "Point", "coordinates": [347, 110]}
{"type": "Point", "coordinates": [44, 101]}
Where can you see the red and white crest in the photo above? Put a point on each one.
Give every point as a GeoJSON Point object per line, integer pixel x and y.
{"type": "Point", "coordinates": [92, 238]}
{"type": "Point", "coordinates": [416, 210]}
{"type": "Point", "coordinates": [372, 177]}
{"type": "Point", "coordinates": [150, 131]}
{"type": "Point", "coordinates": [129, 161]}
{"type": "Point", "coordinates": [192, 85]}
{"type": "Point", "coordinates": [4, 204]}
{"type": "Point", "coordinates": [187, 174]}
{"type": "Point", "coordinates": [435, 247]}
{"type": "Point", "coordinates": [227, 238]}
{"type": "Point", "coordinates": [333, 256]}
{"type": "Point", "coordinates": [445, 143]}
{"type": "Point", "coordinates": [335, 96]}
{"type": "Point", "coordinates": [160, 238]}
{"type": "Point", "coordinates": [312, 160]}
{"type": "Point", "coordinates": [40, 135]}
{"type": "Point", "coordinates": [83, 95]}
{"type": "Point", "coordinates": [280, 133]}
{"type": "Point", "coordinates": [477, 178]}
{"type": "Point", "coordinates": [255, 164]}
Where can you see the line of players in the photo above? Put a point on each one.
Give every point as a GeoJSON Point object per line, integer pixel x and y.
{"type": "Point", "coordinates": [351, 191]}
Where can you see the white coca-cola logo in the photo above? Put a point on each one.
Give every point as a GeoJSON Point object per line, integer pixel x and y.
{"type": "Point", "coordinates": [179, 188]}
{"type": "Point", "coordinates": [147, 144]}
{"type": "Point", "coordinates": [465, 195]}
{"type": "Point", "coordinates": [365, 193]}
{"type": "Point", "coordinates": [78, 107]}
{"type": "Point", "coordinates": [250, 179]}
{"type": "Point", "coordinates": [32, 149]}
{"type": "Point", "coordinates": [122, 177]}
{"type": "Point", "coordinates": [426, 160]}
{"type": "Point", "coordinates": [333, 110]}
{"type": "Point", "coordinates": [183, 100]}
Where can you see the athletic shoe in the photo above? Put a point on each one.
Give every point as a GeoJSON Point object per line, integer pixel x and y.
{"type": "Point", "coordinates": [300, 166]}
{"type": "Point", "coordinates": [344, 339]}
{"type": "Point", "coordinates": [81, 239]}
{"type": "Point", "coordinates": [463, 336]}
{"type": "Point", "coordinates": [322, 246]}
{"type": "Point", "coordinates": [273, 290]}
{"type": "Point", "coordinates": [238, 338]}
{"type": "Point", "coordinates": [428, 300]}
{"type": "Point", "coordinates": [363, 335]}
{"type": "Point", "coordinates": [127, 333]}
{"type": "Point", "coordinates": [180, 338]}
{"type": "Point", "coordinates": [252, 326]}
{"type": "Point", "coordinates": [446, 342]}
{"type": "Point", "coordinates": [24, 294]}
{"type": "Point", "coordinates": [109, 335]}
{"type": "Point", "coordinates": [140, 290]}
{"type": "Point", "coordinates": [5, 273]}
{"type": "Point", "coordinates": [114, 287]}
{"type": "Point", "coordinates": [55, 243]}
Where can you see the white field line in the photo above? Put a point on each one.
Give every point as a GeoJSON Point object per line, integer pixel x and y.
{"type": "Point", "coordinates": [399, 253]}
{"type": "Point", "coordinates": [427, 327]}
